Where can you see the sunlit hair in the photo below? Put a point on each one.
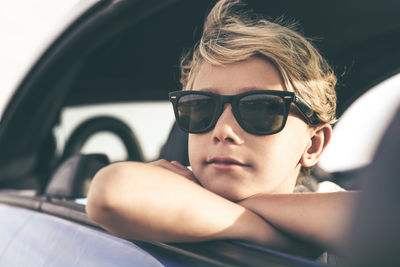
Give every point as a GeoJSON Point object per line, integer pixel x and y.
{"type": "Point", "coordinates": [232, 33]}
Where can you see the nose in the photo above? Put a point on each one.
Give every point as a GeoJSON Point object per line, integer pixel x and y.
{"type": "Point", "coordinates": [227, 129]}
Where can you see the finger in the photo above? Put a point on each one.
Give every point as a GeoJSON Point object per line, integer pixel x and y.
{"type": "Point", "coordinates": [164, 164]}
{"type": "Point", "coordinates": [160, 163]}
{"type": "Point", "coordinates": [175, 167]}
{"type": "Point", "coordinates": [170, 165]}
{"type": "Point", "coordinates": [179, 165]}
{"type": "Point", "coordinates": [186, 170]}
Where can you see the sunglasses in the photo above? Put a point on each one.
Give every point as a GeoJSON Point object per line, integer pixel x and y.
{"type": "Point", "coordinates": [259, 112]}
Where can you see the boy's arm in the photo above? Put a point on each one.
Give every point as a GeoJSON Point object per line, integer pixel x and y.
{"type": "Point", "coordinates": [147, 202]}
{"type": "Point", "coordinates": [320, 218]}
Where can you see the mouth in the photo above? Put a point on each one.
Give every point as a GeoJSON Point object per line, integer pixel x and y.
{"type": "Point", "coordinates": [223, 163]}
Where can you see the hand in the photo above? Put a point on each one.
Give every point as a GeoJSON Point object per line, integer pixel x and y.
{"type": "Point", "coordinates": [176, 167]}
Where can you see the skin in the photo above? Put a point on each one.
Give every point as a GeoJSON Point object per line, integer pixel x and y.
{"type": "Point", "coordinates": [241, 185]}
{"type": "Point", "coordinates": [233, 163]}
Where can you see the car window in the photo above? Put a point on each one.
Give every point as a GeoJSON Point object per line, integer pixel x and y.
{"type": "Point", "coordinates": [150, 122]}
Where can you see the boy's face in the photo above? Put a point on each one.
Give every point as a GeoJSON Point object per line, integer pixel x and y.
{"type": "Point", "coordinates": [232, 162]}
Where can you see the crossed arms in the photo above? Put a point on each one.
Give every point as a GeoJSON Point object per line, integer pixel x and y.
{"type": "Point", "coordinates": [162, 202]}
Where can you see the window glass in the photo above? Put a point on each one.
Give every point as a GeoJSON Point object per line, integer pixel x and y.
{"type": "Point", "coordinates": [149, 121]}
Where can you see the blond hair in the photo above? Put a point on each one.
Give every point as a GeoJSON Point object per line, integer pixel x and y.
{"type": "Point", "coordinates": [232, 33]}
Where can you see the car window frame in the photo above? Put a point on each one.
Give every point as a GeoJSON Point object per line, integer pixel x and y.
{"type": "Point", "coordinates": [214, 253]}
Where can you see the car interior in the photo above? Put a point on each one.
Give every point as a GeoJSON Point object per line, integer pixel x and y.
{"type": "Point", "coordinates": [128, 52]}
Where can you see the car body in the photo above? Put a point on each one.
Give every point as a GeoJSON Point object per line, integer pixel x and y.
{"type": "Point", "coordinates": [95, 52]}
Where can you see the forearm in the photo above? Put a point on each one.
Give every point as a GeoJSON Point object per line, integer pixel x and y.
{"type": "Point", "coordinates": [145, 202]}
{"type": "Point", "coordinates": [319, 218]}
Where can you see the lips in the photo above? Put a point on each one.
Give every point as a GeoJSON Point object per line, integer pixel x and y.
{"type": "Point", "coordinates": [225, 163]}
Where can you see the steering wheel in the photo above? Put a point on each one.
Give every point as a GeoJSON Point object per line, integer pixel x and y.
{"type": "Point", "coordinates": [103, 124]}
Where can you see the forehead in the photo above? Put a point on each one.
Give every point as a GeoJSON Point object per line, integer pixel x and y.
{"type": "Point", "coordinates": [233, 78]}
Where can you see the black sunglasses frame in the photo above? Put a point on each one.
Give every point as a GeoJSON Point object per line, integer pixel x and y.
{"type": "Point", "coordinates": [288, 97]}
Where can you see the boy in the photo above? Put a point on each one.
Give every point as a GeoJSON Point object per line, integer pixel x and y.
{"type": "Point", "coordinates": [258, 102]}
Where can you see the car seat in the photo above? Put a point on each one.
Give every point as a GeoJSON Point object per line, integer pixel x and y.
{"type": "Point", "coordinates": [176, 147]}
{"type": "Point", "coordinates": [374, 236]}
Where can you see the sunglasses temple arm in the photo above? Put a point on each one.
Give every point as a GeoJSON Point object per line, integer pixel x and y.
{"type": "Point", "coordinates": [308, 113]}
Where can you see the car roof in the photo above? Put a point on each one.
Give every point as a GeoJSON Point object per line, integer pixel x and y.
{"type": "Point", "coordinates": [29, 34]}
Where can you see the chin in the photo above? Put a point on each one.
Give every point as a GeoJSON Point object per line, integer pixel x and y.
{"type": "Point", "coordinates": [231, 194]}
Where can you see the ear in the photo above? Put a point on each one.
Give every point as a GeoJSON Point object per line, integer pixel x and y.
{"type": "Point", "coordinates": [319, 139]}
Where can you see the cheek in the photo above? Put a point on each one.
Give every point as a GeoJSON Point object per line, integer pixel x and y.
{"type": "Point", "coordinates": [296, 135]}
{"type": "Point", "coordinates": [267, 152]}
{"type": "Point", "coordinates": [284, 148]}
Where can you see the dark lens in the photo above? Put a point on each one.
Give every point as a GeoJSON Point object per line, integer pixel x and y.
{"type": "Point", "coordinates": [262, 113]}
{"type": "Point", "coordinates": [196, 112]}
